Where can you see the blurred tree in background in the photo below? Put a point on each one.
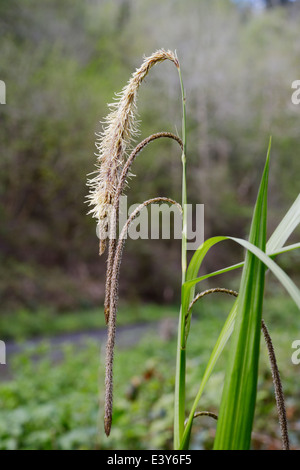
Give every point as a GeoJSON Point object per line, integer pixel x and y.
{"type": "Point", "coordinates": [62, 61]}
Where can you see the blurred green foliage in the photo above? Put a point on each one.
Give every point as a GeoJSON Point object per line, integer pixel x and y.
{"type": "Point", "coordinates": [62, 61]}
{"type": "Point", "coordinates": [45, 323]}
{"type": "Point", "coordinates": [51, 400]}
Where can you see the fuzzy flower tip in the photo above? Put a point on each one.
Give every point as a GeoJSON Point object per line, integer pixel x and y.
{"type": "Point", "coordinates": [113, 142]}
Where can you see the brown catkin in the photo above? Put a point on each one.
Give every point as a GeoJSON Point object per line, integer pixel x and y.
{"type": "Point", "coordinates": [279, 395]}
{"type": "Point", "coordinates": [114, 290]}
{"type": "Point", "coordinates": [114, 141]}
{"type": "Point", "coordinates": [115, 214]}
{"type": "Point", "coordinates": [197, 414]}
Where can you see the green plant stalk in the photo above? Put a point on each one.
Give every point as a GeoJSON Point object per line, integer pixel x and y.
{"type": "Point", "coordinates": [179, 402]}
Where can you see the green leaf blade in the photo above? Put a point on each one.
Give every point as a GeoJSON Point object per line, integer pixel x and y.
{"type": "Point", "coordinates": [239, 394]}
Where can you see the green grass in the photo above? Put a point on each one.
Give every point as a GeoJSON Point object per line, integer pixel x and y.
{"type": "Point", "coordinates": [239, 394]}
{"type": "Point", "coordinates": [54, 405]}
{"type": "Point", "coordinates": [238, 403]}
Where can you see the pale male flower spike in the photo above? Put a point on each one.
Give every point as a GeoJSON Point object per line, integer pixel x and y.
{"type": "Point", "coordinates": [113, 143]}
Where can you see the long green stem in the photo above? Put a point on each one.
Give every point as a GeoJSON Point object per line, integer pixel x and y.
{"type": "Point", "coordinates": [179, 412]}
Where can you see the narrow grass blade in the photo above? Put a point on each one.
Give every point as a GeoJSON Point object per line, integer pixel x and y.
{"type": "Point", "coordinates": [188, 288]}
{"type": "Point", "coordinates": [217, 351]}
{"type": "Point", "coordinates": [239, 394]}
{"type": "Point", "coordinates": [286, 227]}
{"type": "Point", "coordinates": [277, 252]}
{"type": "Point", "coordinates": [274, 247]}
{"type": "Point", "coordinates": [229, 323]}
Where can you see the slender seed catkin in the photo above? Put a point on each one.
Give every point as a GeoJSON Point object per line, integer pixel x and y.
{"type": "Point", "coordinates": [113, 143]}
{"type": "Point", "coordinates": [114, 293]}
{"type": "Point", "coordinates": [115, 214]}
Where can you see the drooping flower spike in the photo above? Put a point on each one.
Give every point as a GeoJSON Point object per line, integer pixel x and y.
{"type": "Point", "coordinates": [113, 144]}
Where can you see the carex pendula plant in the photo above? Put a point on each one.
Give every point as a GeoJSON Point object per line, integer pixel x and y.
{"type": "Point", "coordinates": [244, 323]}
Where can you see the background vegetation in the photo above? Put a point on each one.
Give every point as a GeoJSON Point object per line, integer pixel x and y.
{"type": "Point", "coordinates": [63, 61]}
{"type": "Point", "coordinates": [53, 402]}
